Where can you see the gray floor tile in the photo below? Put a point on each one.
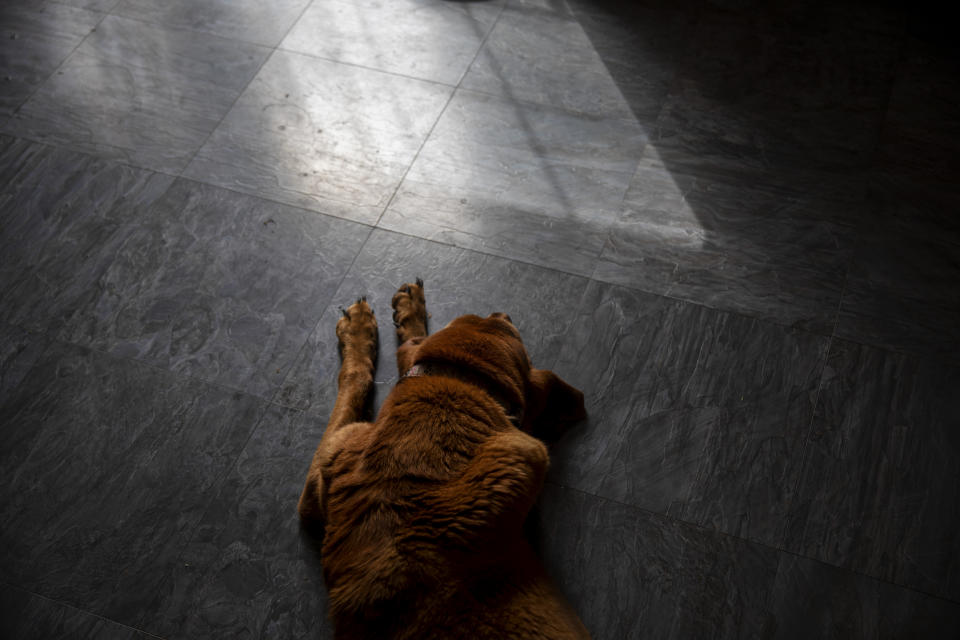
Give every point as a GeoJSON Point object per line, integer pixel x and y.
{"type": "Point", "coordinates": [109, 466]}
{"type": "Point", "coordinates": [248, 20]}
{"type": "Point", "coordinates": [548, 59]}
{"type": "Point", "coordinates": [19, 352]}
{"type": "Point", "coordinates": [530, 183]}
{"type": "Point", "coordinates": [205, 282]}
{"type": "Point", "coordinates": [629, 573]}
{"type": "Point", "coordinates": [903, 293]}
{"type": "Point", "coordinates": [615, 564]}
{"type": "Point", "coordinates": [457, 282]}
{"type": "Point", "coordinates": [879, 491]}
{"type": "Point", "coordinates": [427, 39]}
{"type": "Point", "coordinates": [138, 93]}
{"type": "Point", "coordinates": [330, 137]}
{"type": "Point", "coordinates": [25, 616]}
{"type": "Point", "coordinates": [772, 92]}
{"type": "Point", "coordinates": [691, 412]}
{"type": "Point", "coordinates": [249, 571]}
{"type": "Point", "coordinates": [58, 209]}
{"type": "Point", "coordinates": [814, 600]}
{"type": "Point", "coordinates": [921, 131]}
{"type": "Point", "coordinates": [732, 246]}
{"type": "Point", "coordinates": [35, 37]}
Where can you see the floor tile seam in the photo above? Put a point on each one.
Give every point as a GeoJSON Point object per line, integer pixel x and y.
{"type": "Point", "coordinates": [253, 76]}
{"type": "Point", "coordinates": [722, 534]}
{"type": "Point", "coordinates": [16, 112]}
{"type": "Point", "coordinates": [67, 605]}
{"type": "Point", "coordinates": [862, 574]}
{"type": "Point", "coordinates": [216, 489]}
{"type": "Point", "coordinates": [274, 397]}
{"type": "Point", "coordinates": [365, 67]}
{"type": "Point", "coordinates": [93, 156]}
{"type": "Point", "coordinates": [498, 256]}
{"type": "Point", "coordinates": [226, 112]}
{"type": "Point", "coordinates": [446, 105]}
{"type": "Point", "coordinates": [788, 328]}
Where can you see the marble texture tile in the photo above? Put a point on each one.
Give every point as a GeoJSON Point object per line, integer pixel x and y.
{"type": "Point", "coordinates": [456, 282]}
{"type": "Point", "coordinates": [35, 37]}
{"type": "Point", "coordinates": [139, 93]}
{"type": "Point", "coordinates": [879, 491]}
{"type": "Point", "coordinates": [903, 293]}
{"type": "Point", "coordinates": [58, 208]}
{"type": "Point", "coordinates": [549, 59]}
{"type": "Point", "coordinates": [631, 574]}
{"type": "Point", "coordinates": [205, 282]}
{"type": "Point", "coordinates": [814, 600]}
{"type": "Point", "coordinates": [426, 39]}
{"type": "Point", "coordinates": [109, 467]}
{"type": "Point", "coordinates": [732, 246]}
{"type": "Point", "coordinates": [774, 92]}
{"type": "Point", "coordinates": [19, 352]}
{"type": "Point", "coordinates": [26, 616]}
{"type": "Point", "coordinates": [247, 20]}
{"type": "Point", "coordinates": [249, 570]}
{"type": "Point", "coordinates": [330, 137]}
{"type": "Point", "coordinates": [691, 412]}
{"type": "Point", "coordinates": [531, 183]}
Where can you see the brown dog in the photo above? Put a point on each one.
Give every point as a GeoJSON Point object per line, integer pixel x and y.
{"type": "Point", "coordinates": [422, 510]}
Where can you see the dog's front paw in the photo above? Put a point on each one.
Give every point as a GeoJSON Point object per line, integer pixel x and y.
{"type": "Point", "coordinates": [410, 311]}
{"type": "Point", "coordinates": [357, 331]}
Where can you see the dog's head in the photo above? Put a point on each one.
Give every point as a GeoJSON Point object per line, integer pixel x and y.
{"type": "Point", "coordinates": [491, 348]}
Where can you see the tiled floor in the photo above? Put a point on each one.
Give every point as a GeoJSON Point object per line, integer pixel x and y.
{"type": "Point", "coordinates": [734, 226]}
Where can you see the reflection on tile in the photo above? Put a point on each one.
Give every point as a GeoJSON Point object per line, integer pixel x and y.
{"type": "Point", "coordinates": [19, 351]}
{"type": "Point", "coordinates": [139, 93]}
{"type": "Point", "coordinates": [324, 136]}
{"type": "Point", "coordinates": [692, 412]}
{"type": "Point", "coordinates": [457, 282]}
{"type": "Point", "coordinates": [732, 246]}
{"type": "Point", "coordinates": [530, 183]}
{"type": "Point", "coordinates": [879, 491]}
{"type": "Point", "coordinates": [528, 53]}
{"type": "Point", "coordinates": [903, 291]}
{"type": "Point", "coordinates": [35, 37]}
{"type": "Point", "coordinates": [249, 571]}
{"type": "Point", "coordinates": [206, 282]}
{"type": "Point", "coordinates": [781, 89]}
{"type": "Point", "coordinates": [249, 20]}
{"type": "Point", "coordinates": [432, 40]}
{"type": "Point", "coordinates": [26, 616]}
{"type": "Point", "coordinates": [109, 467]}
{"type": "Point", "coordinates": [632, 574]}
{"type": "Point", "coordinates": [814, 600]}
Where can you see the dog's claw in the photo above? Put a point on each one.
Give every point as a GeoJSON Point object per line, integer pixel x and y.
{"type": "Point", "coordinates": [420, 282]}
{"type": "Point", "coordinates": [344, 312]}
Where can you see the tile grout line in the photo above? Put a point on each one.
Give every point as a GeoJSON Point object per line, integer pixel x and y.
{"type": "Point", "coordinates": [440, 115]}
{"type": "Point", "coordinates": [67, 605]}
{"type": "Point", "coordinates": [329, 305]}
{"type": "Point", "coordinates": [15, 114]}
{"type": "Point", "coordinates": [253, 76]}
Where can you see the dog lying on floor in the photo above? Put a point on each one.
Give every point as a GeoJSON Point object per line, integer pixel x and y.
{"type": "Point", "coordinates": [422, 510]}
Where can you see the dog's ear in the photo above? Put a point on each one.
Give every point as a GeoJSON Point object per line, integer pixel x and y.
{"type": "Point", "coordinates": [552, 405]}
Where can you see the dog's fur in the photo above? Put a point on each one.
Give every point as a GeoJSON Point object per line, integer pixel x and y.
{"type": "Point", "coordinates": [422, 510]}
